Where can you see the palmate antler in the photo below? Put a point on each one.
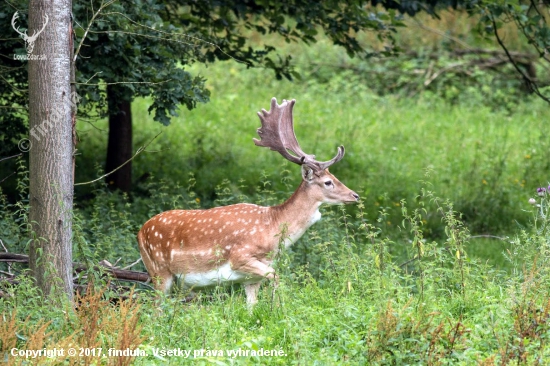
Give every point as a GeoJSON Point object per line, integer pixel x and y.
{"type": "Point", "coordinates": [277, 133]}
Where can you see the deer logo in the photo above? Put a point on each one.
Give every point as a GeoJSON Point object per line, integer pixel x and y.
{"type": "Point", "coordinates": [29, 41]}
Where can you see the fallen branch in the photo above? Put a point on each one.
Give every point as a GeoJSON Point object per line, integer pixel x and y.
{"type": "Point", "coordinates": [14, 258]}
{"type": "Point", "coordinates": [482, 51]}
{"type": "Point", "coordinates": [119, 274]}
{"type": "Point", "coordinates": [464, 67]}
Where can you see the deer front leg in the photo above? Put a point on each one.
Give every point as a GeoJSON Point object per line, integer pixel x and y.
{"type": "Point", "coordinates": [251, 290]}
{"type": "Point", "coordinates": [257, 269]}
{"type": "Point", "coordinates": [253, 267]}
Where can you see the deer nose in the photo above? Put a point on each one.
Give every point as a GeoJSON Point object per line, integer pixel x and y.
{"type": "Point", "coordinates": [355, 195]}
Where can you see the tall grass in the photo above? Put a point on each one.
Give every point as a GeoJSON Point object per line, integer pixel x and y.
{"type": "Point", "coordinates": [347, 300]}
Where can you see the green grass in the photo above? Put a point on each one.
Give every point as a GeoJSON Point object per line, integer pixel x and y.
{"type": "Point", "coordinates": [353, 308]}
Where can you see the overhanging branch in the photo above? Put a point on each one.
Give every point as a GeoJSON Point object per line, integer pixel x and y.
{"type": "Point", "coordinates": [531, 84]}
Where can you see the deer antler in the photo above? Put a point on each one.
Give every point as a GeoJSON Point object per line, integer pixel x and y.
{"type": "Point", "coordinates": [13, 19]}
{"type": "Point", "coordinates": [36, 34]}
{"type": "Point", "coordinates": [277, 133]}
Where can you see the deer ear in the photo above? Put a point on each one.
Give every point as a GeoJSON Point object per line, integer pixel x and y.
{"type": "Point", "coordinates": [307, 173]}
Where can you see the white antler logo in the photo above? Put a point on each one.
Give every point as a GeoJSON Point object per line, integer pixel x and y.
{"type": "Point", "coordinates": [29, 41]}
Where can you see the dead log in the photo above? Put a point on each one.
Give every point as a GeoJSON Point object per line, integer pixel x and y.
{"type": "Point", "coordinates": [119, 274]}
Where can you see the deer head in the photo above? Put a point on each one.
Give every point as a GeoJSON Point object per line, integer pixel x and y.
{"type": "Point", "coordinates": [236, 243]}
{"type": "Point", "coordinates": [277, 133]}
{"type": "Point", "coordinates": [29, 41]}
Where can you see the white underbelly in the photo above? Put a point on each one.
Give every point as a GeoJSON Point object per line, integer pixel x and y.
{"type": "Point", "coordinates": [218, 276]}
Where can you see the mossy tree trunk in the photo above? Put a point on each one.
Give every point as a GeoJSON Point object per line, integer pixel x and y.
{"type": "Point", "coordinates": [51, 109]}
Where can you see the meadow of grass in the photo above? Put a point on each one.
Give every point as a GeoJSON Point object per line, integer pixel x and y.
{"type": "Point", "coordinates": [486, 161]}
{"type": "Point", "coordinates": [342, 299]}
{"type": "Point", "coordinates": [442, 262]}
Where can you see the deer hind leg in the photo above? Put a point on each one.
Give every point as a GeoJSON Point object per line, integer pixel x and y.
{"type": "Point", "coordinates": [161, 277]}
{"type": "Point", "coordinates": [162, 280]}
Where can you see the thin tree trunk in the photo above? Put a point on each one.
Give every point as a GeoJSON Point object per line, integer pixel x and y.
{"type": "Point", "coordinates": [51, 154]}
{"type": "Point", "coordinates": [119, 146]}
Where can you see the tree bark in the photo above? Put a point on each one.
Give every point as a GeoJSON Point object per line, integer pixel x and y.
{"type": "Point", "coordinates": [51, 153]}
{"type": "Point", "coordinates": [119, 146]}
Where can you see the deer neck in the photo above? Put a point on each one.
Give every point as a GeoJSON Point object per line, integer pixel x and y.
{"type": "Point", "coordinates": [297, 214]}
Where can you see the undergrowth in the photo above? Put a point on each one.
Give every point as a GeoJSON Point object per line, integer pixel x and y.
{"type": "Point", "coordinates": [347, 293]}
{"type": "Point", "coordinates": [91, 323]}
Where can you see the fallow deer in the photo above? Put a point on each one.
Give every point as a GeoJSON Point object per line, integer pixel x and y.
{"type": "Point", "coordinates": [236, 243]}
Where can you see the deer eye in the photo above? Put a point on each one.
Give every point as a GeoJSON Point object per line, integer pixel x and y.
{"type": "Point", "coordinates": [328, 183]}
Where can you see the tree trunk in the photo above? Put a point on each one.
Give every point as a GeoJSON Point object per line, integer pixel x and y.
{"type": "Point", "coordinates": [119, 146]}
{"type": "Point", "coordinates": [51, 153]}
